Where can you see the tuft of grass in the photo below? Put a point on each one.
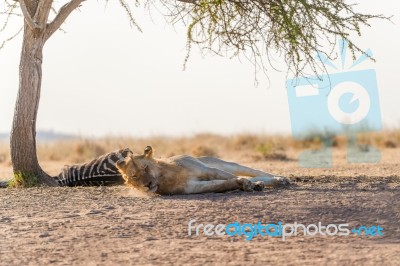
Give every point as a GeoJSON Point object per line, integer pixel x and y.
{"type": "Point", "coordinates": [271, 151]}
{"type": "Point", "coordinates": [23, 180]}
{"type": "Point", "coordinates": [204, 151]}
{"type": "Point", "coordinates": [265, 149]}
{"type": "Point", "coordinates": [245, 141]}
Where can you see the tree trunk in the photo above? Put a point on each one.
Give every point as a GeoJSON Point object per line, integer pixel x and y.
{"type": "Point", "coordinates": [23, 134]}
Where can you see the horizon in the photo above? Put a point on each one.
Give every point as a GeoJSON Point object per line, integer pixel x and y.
{"type": "Point", "coordinates": [54, 135]}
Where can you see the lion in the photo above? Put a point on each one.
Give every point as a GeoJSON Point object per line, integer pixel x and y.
{"type": "Point", "coordinates": [185, 174]}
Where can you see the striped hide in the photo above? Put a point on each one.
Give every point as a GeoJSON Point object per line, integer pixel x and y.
{"type": "Point", "coordinates": [102, 171]}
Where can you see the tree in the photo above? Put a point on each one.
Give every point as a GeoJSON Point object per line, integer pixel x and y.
{"type": "Point", "coordinates": [296, 29]}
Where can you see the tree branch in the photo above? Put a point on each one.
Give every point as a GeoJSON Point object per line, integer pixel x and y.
{"type": "Point", "coordinates": [27, 16]}
{"type": "Point", "coordinates": [42, 11]}
{"type": "Point", "coordinates": [62, 15]}
{"type": "Point", "coordinates": [39, 6]}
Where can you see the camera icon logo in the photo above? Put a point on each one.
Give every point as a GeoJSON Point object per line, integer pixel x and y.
{"type": "Point", "coordinates": [358, 93]}
{"type": "Point", "coordinates": [345, 102]}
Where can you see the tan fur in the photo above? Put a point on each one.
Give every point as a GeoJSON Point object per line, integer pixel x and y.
{"type": "Point", "coordinates": [188, 175]}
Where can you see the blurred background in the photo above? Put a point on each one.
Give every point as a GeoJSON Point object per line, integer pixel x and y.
{"type": "Point", "coordinates": [103, 78]}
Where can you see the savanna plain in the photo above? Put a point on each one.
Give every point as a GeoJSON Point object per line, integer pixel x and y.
{"type": "Point", "coordinates": [121, 226]}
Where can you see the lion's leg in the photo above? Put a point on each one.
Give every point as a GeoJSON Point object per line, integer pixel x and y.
{"type": "Point", "coordinates": [217, 174]}
{"type": "Point", "coordinates": [233, 168]}
{"type": "Point", "coordinates": [241, 170]}
{"type": "Point", "coordinates": [196, 187]}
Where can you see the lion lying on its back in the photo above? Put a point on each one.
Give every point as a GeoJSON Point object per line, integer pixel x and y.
{"type": "Point", "coordinates": [188, 175]}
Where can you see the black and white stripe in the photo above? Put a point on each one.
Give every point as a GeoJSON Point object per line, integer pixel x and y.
{"type": "Point", "coordinates": [102, 171]}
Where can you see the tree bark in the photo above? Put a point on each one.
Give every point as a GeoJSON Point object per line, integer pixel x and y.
{"type": "Point", "coordinates": [23, 134]}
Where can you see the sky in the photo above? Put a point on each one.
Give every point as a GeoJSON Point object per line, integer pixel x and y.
{"type": "Point", "coordinates": [101, 77]}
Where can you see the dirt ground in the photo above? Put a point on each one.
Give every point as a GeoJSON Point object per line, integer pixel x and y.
{"type": "Point", "coordinates": [118, 226]}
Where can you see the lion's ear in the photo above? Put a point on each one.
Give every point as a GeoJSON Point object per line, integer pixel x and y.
{"type": "Point", "coordinates": [148, 152]}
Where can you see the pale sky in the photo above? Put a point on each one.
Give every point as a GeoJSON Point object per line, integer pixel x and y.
{"type": "Point", "coordinates": [102, 77]}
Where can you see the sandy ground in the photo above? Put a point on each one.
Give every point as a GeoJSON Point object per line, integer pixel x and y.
{"type": "Point", "coordinates": [116, 225]}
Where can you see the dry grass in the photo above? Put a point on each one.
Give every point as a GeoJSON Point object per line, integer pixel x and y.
{"type": "Point", "coordinates": [237, 147]}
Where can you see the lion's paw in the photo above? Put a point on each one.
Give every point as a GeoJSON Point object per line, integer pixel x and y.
{"type": "Point", "coordinates": [247, 185]}
{"type": "Point", "coordinates": [282, 181]}
{"type": "Point", "coordinates": [258, 186]}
